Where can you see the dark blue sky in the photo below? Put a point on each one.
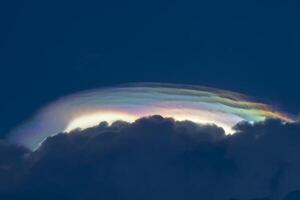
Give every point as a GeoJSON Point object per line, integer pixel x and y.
{"type": "Point", "coordinates": [52, 48]}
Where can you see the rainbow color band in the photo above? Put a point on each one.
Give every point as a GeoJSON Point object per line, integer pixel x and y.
{"type": "Point", "coordinates": [130, 102]}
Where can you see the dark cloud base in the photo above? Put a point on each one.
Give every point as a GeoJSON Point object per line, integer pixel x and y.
{"type": "Point", "coordinates": [157, 158]}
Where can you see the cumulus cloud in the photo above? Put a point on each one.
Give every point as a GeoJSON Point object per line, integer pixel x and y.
{"type": "Point", "coordinates": [158, 158]}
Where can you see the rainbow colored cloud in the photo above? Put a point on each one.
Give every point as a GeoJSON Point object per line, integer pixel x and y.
{"type": "Point", "coordinates": [130, 102]}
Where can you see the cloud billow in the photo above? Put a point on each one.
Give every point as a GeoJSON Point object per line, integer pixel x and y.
{"type": "Point", "coordinates": [158, 158]}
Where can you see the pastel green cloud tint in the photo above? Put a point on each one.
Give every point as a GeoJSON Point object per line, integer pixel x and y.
{"type": "Point", "coordinates": [130, 102]}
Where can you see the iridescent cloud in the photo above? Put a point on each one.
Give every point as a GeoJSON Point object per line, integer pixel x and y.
{"type": "Point", "coordinates": [130, 102]}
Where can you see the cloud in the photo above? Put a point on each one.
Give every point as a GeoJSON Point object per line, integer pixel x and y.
{"type": "Point", "coordinates": [157, 158]}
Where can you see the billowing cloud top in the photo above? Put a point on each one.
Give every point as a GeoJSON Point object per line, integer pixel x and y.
{"type": "Point", "coordinates": [130, 102]}
{"type": "Point", "coordinates": [157, 158]}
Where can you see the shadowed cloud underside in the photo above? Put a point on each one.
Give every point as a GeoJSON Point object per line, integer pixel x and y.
{"type": "Point", "coordinates": [157, 158]}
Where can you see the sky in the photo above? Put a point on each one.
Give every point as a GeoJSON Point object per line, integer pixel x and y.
{"type": "Point", "coordinates": [52, 48]}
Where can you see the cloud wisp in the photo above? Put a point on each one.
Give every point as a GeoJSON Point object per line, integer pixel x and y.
{"type": "Point", "coordinates": [129, 102]}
